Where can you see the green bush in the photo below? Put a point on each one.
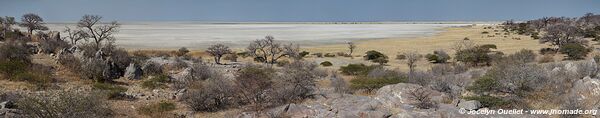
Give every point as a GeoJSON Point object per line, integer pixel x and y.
{"type": "Point", "coordinates": [156, 82]}
{"type": "Point", "coordinates": [438, 57]}
{"type": "Point", "coordinates": [111, 91]}
{"type": "Point", "coordinates": [370, 84]}
{"type": "Point", "coordinates": [356, 69]}
{"type": "Point", "coordinates": [574, 51]}
{"type": "Point", "coordinates": [329, 55]}
{"type": "Point", "coordinates": [157, 108]}
{"type": "Point", "coordinates": [326, 63]}
{"type": "Point", "coordinates": [545, 51]}
{"type": "Point", "coordinates": [475, 56]}
{"type": "Point", "coordinates": [372, 55]}
{"type": "Point", "coordinates": [380, 60]}
{"type": "Point", "coordinates": [484, 84]}
{"type": "Point", "coordinates": [304, 53]}
{"type": "Point", "coordinates": [485, 32]}
{"type": "Point", "coordinates": [490, 101]}
{"type": "Point", "coordinates": [11, 68]}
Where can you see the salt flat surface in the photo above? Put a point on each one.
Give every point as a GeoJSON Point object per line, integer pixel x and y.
{"type": "Point", "coordinates": [157, 35]}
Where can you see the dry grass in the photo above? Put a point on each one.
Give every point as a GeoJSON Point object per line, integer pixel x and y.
{"type": "Point", "coordinates": [444, 40]}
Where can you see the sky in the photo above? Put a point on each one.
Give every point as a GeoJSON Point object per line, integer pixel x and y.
{"type": "Point", "coordinates": [299, 10]}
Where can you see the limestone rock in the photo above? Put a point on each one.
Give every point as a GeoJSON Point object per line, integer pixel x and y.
{"type": "Point", "coordinates": [133, 72]}
{"type": "Point", "coordinates": [470, 105]}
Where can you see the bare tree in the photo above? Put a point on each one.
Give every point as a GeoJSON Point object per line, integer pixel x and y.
{"type": "Point", "coordinates": [411, 61]}
{"type": "Point", "coordinates": [98, 32]}
{"type": "Point", "coordinates": [75, 35]}
{"type": "Point", "coordinates": [351, 47]}
{"type": "Point", "coordinates": [463, 44]}
{"type": "Point", "coordinates": [217, 51]}
{"type": "Point", "coordinates": [560, 34]}
{"type": "Point", "coordinates": [267, 50]}
{"type": "Point", "coordinates": [32, 22]}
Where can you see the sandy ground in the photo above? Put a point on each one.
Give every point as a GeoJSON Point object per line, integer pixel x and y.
{"type": "Point", "coordinates": [423, 45]}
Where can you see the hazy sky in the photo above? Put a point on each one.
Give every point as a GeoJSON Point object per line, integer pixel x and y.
{"type": "Point", "coordinates": [299, 10]}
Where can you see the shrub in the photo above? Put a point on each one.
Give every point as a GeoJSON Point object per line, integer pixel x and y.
{"type": "Point", "coordinates": [304, 53]}
{"type": "Point", "coordinates": [438, 57]}
{"type": "Point", "coordinates": [485, 32]}
{"type": "Point", "coordinates": [574, 51]}
{"type": "Point", "coordinates": [94, 69]}
{"type": "Point", "coordinates": [120, 59]}
{"type": "Point", "coordinates": [282, 63]}
{"type": "Point", "coordinates": [214, 94]}
{"type": "Point", "coordinates": [488, 46]}
{"type": "Point", "coordinates": [152, 68]}
{"type": "Point", "coordinates": [370, 84]}
{"type": "Point", "coordinates": [69, 61]}
{"type": "Point", "coordinates": [490, 101]}
{"type": "Point", "coordinates": [326, 63]}
{"type": "Point", "coordinates": [14, 51]}
{"type": "Point", "coordinates": [484, 84]}
{"type": "Point", "coordinates": [38, 75]}
{"type": "Point", "coordinates": [182, 51]}
{"type": "Point", "coordinates": [342, 54]}
{"type": "Point", "coordinates": [231, 57]}
{"type": "Point", "coordinates": [423, 98]}
{"type": "Point", "coordinates": [372, 55]}
{"type": "Point", "coordinates": [52, 45]}
{"type": "Point", "coordinates": [401, 57]}
{"type": "Point", "coordinates": [329, 55]}
{"type": "Point", "coordinates": [318, 54]}
{"type": "Point", "coordinates": [545, 51]}
{"type": "Point", "coordinates": [111, 91]}
{"type": "Point", "coordinates": [523, 56]}
{"type": "Point", "coordinates": [475, 55]}
{"type": "Point", "coordinates": [155, 82]}
{"type": "Point", "coordinates": [9, 69]}
{"type": "Point", "coordinates": [380, 61]}
{"type": "Point", "coordinates": [64, 104]}
{"type": "Point", "coordinates": [546, 59]}
{"type": "Point", "coordinates": [297, 83]}
{"type": "Point", "coordinates": [255, 80]}
{"type": "Point", "coordinates": [356, 69]}
{"type": "Point", "coordinates": [157, 109]}
{"type": "Point", "coordinates": [338, 84]}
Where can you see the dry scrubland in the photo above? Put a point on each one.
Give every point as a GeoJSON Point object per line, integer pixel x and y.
{"type": "Point", "coordinates": [444, 40]}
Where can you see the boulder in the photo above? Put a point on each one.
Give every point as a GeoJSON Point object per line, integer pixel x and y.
{"type": "Point", "coordinates": [398, 94]}
{"type": "Point", "coordinates": [571, 67]}
{"type": "Point", "coordinates": [469, 105]}
{"type": "Point", "coordinates": [183, 76]}
{"type": "Point", "coordinates": [133, 72]}
{"type": "Point", "coordinates": [586, 87]}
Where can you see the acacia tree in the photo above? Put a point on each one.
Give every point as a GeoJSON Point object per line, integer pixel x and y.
{"type": "Point", "coordinates": [96, 31]}
{"type": "Point", "coordinates": [267, 50]}
{"type": "Point", "coordinates": [351, 47]}
{"type": "Point", "coordinates": [217, 51]}
{"type": "Point", "coordinates": [32, 22]}
{"type": "Point", "coordinates": [560, 34]}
